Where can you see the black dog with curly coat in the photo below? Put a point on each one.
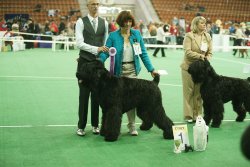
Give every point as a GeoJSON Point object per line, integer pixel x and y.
{"type": "Point", "coordinates": [216, 90]}
{"type": "Point", "coordinates": [245, 143]}
{"type": "Point", "coordinates": [118, 95]}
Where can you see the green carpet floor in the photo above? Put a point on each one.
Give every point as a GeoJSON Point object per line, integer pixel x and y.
{"type": "Point", "coordinates": [38, 116]}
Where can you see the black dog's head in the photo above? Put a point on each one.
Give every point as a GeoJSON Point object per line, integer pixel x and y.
{"type": "Point", "coordinates": [200, 70]}
{"type": "Point", "coordinates": [90, 73]}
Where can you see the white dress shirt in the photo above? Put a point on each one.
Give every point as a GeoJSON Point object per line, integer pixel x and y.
{"type": "Point", "coordinates": [80, 39]}
{"type": "Point", "coordinates": [239, 34]}
{"type": "Point", "coordinates": [161, 35]}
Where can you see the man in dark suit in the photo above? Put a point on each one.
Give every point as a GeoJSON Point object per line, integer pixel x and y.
{"type": "Point", "coordinates": [91, 33]}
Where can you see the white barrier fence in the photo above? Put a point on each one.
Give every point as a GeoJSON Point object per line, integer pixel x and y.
{"type": "Point", "coordinates": [220, 42]}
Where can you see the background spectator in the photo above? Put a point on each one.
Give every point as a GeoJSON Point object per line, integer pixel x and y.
{"type": "Point", "coordinates": [3, 25]}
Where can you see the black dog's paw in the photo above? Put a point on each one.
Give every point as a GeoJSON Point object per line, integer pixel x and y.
{"type": "Point", "coordinates": [102, 133]}
{"type": "Point", "coordinates": [215, 125]}
{"type": "Point", "coordinates": [168, 135]}
{"type": "Point", "coordinates": [207, 121]}
{"type": "Point", "coordinates": [110, 139]}
{"type": "Point", "coordinates": [239, 119]}
{"type": "Point", "coordinates": [145, 126]}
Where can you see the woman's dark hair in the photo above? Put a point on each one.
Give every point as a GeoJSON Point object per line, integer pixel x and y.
{"type": "Point", "coordinates": [123, 17]}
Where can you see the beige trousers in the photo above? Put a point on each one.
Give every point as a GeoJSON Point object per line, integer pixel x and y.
{"type": "Point", "coordinates": [128, 70]}
{"type": "Point", "coordinates": [192, 102]}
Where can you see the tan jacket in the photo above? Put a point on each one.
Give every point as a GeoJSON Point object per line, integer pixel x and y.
{"type": "Point", "coordinates": [192, 48]}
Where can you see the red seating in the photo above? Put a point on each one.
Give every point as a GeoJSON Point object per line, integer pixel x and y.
{"type": "Point", "coordinates": [28, 6]}
{"type": "Point", "coordinates": [227, 10]}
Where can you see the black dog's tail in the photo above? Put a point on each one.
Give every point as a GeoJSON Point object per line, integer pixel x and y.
{"type": "Point", "coordinates": [156, 79]}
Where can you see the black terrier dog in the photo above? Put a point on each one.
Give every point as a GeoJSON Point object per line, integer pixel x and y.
{"type": "Point", "coordinates": [118, 95]}
{"type": "Point", "coordinates": [245, 143]}
{"type": "Point", "coordinates": [216, 90]}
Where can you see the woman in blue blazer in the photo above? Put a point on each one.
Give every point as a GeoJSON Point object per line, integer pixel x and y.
{"type": "Point", "coordinates": [129, 48]}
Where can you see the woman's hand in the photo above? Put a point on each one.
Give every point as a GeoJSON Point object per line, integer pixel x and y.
{"type": "Point", "coordinates": [208, 58]}
{"type": "Point", "coordinates": [202, 57]}
{"type": "Point", "coordinates": [154, 73]}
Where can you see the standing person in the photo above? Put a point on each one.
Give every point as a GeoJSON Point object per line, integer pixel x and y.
{"type": "Point", "coordinates": [91, 32]}
{"type": "Point", "coordinates": [160, 38]}
{"type": "Point", "coordinates": [3, 25]}
{"type": "Point", "coordinates": [180, 35]}
{"type": "Point", "coordinates": [239, 36]}
{"type": "Point", "coordinates": [197, 45]}
{"type": "Point", "coordinates": [130, 47]}
{"type": "Point", "coordinates": [173, 31]}
{"type": "Point", "coordinates": [31, 30]}
{"type": "Point", "coordinates": [53, 27]}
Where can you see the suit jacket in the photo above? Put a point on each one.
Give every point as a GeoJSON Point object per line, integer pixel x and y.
{"type": "Point", "coordinates": [116, 40]}
{"type": "Point", "coordinates": [192, 48]}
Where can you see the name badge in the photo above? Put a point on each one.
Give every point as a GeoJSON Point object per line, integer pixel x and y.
{"type": "Point", "coordinates": [137, 48]}
{"type": "Point", "coordinates": [204, 46]}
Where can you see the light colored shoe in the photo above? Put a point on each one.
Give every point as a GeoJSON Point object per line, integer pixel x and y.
{"type": "Point", "coordinates": [80, 132]}
{"type": "Point", "coordinates": [133, 132]}
{"type": "Point", "coordinates": [95, 130]}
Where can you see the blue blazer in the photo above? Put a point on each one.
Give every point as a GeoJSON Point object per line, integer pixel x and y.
{"type": "Point", "coordinates": [116, 40]}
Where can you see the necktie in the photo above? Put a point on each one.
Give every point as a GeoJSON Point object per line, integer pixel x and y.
{"type": "Point", "coordinates": [94, 24]}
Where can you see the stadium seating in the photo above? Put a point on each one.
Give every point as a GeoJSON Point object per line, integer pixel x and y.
{"type": "Point", "coordinates": [225, 10]}
{"type": "Point", "coordinates": [28, 7]}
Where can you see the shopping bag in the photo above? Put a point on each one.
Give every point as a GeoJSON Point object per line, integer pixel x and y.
{"type": "Point", "coordinates": [200, 133]}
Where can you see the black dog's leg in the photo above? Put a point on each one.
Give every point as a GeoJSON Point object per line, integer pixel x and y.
{"type": "Point", "coordinates": [217, 109]}
{"type": "Point", "coordinates": [207, 113]}
{"type": "Point", "coordinates": [112, 125]}
{"type": "Point", "coordinates": [247, 104]}
{"type": "Point", "coordinates": [103, 128]}
{"type": "Point", "coordinates": [163, 122]}
{"type": "Point", "coordinates": [145, 116]}
{"type": "Point", "coordinates": [239, 109]}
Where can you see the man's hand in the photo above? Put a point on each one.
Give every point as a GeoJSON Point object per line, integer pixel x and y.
{"type": "Point", "coordinates": [103, 49]}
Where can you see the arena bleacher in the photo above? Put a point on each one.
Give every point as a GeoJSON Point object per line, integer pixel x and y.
{"type": "Point", "coordinates": [225, 10]}
{"type": "Point", "coordinates": [29, 6]}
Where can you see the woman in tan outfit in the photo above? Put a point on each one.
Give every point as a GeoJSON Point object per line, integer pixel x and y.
{"type": "Point", "coordinates": [197, 46]}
